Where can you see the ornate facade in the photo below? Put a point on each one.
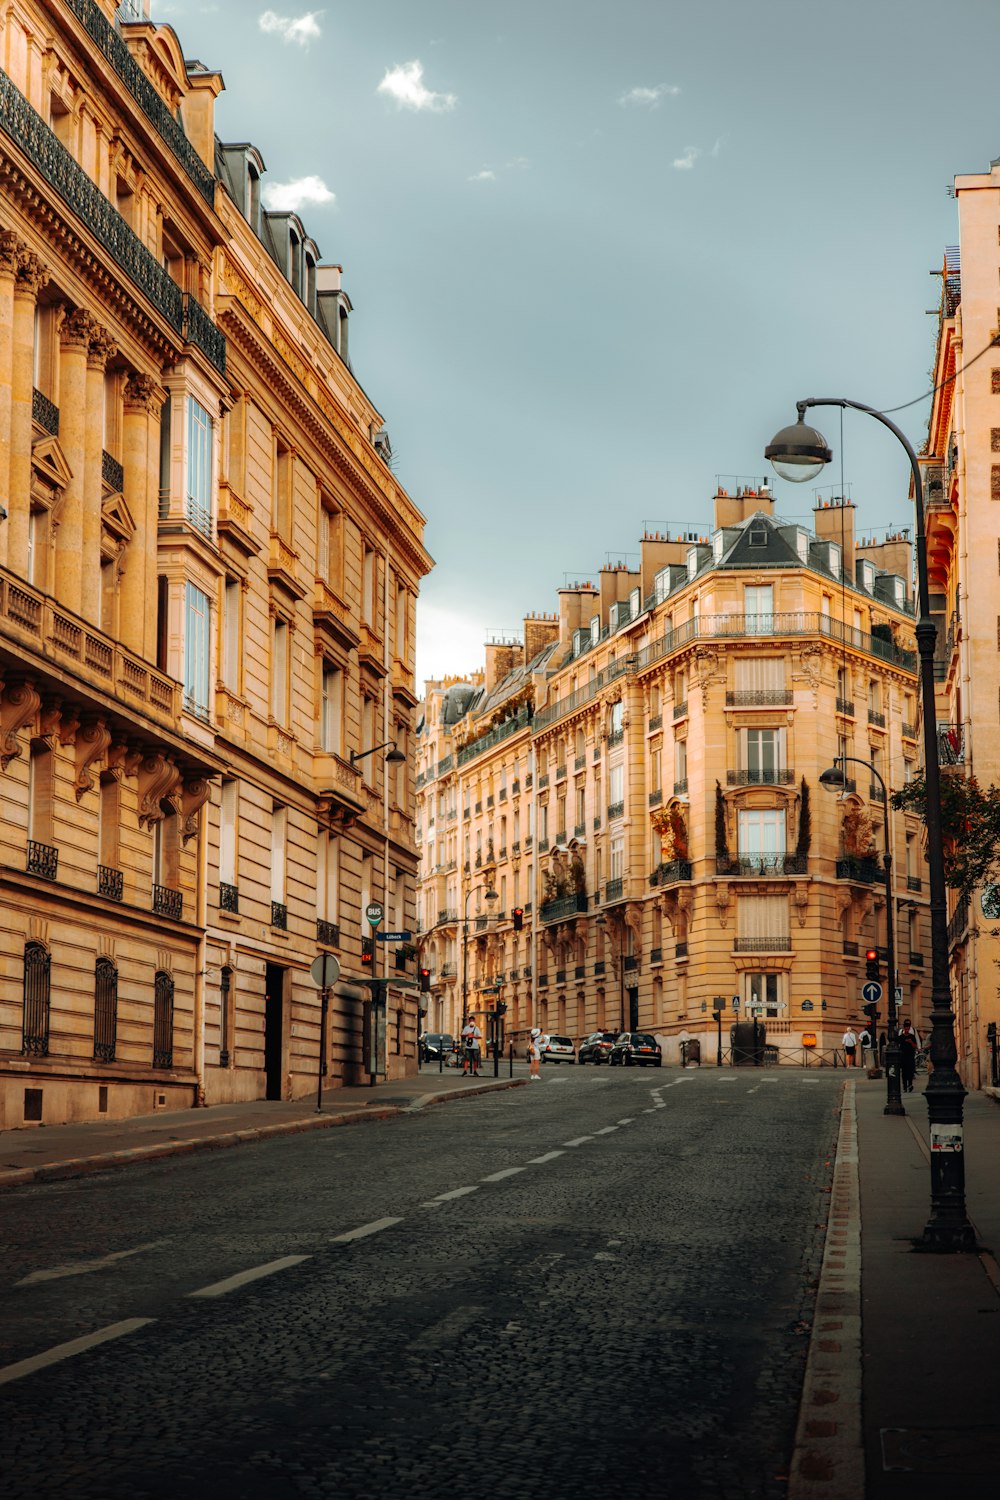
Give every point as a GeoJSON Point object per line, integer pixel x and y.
{"type": "Point", "coordinates": [208, 577]}
{"type": "Point", "coordinates": [644, 783]}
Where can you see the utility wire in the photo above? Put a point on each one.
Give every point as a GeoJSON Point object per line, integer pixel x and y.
{"type": "Point", "coordinates": [953, 376]}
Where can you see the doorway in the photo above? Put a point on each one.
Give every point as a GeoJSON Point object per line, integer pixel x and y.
{"type": "Point", "coordinates": [274, 1027]}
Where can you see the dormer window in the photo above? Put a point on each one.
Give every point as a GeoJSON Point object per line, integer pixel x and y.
{"type": "Point", "coordinates": [253, 198]}
{"type": "Point", "coordinates": [757, 536]}
{"type": "Point", "coordinates": [295, 261]}
{"type": "Point", "coordinates": [309, 290]}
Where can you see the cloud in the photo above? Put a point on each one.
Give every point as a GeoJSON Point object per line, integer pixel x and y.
{"type": "Point", "coordinates": [300, 29]}
{"type": "Point", "coordinates": [405, 84]}
{"type": "Point", "coordinates": [643, 97]}
{"type": "Point", "coordinates": [301, 192]}
{"type": "Point", "coordinates": [486, 175]}
{"type": "Point", "coordinates": [448, 641]}
{"type": "Point", "coordinates": [686, 162]}
{"type": "Point", "coordinates": [490, 174]}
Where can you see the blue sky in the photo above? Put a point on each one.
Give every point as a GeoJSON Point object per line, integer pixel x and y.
{"type": "Point", "coordinates": [597, 248]}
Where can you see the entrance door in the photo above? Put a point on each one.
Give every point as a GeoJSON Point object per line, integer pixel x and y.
{"type": "Point", "coordinates": [274, 1017]}
{"type": "Point", "coordinates": [633, 1009]}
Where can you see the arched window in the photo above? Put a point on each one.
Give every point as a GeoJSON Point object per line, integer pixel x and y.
{"type": "Point", "coordinates": [105, 1010]}
{"type": "Point", "coordinates": [163, 1021]}
{"type": "Point", "coordinates": [37, 995]}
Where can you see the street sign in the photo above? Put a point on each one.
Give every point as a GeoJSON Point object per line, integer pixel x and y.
{"type": "Point", "coordinates": [325, 970]}
{"type": "Point", "coordinates": [871, 992]}
{"type": "Point", "coordinates": [374, 913]}
{"type": "Point", "coordinates": [393, 937]}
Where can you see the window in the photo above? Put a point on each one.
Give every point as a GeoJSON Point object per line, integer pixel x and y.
{"type": "Point", "coordinates": [760, 674]}
{"type": "Point", "coordinates": [616, 785]}
{"type": "Point", "coordinates": [680, 761]}
{"type": "Point", "coordinates": [163, 1020]}
{"type": "Point", "coordinates": [281, 490]}
{"type": "Point", "coordinates": [761, 832]}
{"type": "Point", "coordinates": [109, 820]}
{"type": "Point", "coordinates": [228, 813]}
{"type": "Point", "coordinates": [331, 709]}
{"type": "Point", "coordinates": [758, 607]}
{"type": "Point", "coordinates": [617, 718]}
{"type": "Point", "coordinates": [368, 738]}
{"type": "Point", "coordinates": [196, 646]}
{"type": "Point", "coordinates": [763, 992]}
{"type": "Point", "coordinates": [41, 793]}
{"type": "Point", "coordinates": [762, 923]}
{"type": "Point", "coordinates": [253, 198]}
{"type": "Point", "coordinates": [763, 754]}
{"type": "Point", "coordinates": [402, 617]}
{"type": "Point", "coordinates": [199, 467]}
{"type": "Point", "coordinates": [231, 634]}
{"type": "Point", "coordinates": [616, 868]}
{"type": "Point", "coordinates": [327, 877]}
{"type": "Point", "coordinates": [279, 838]}
{"type": "Point", "coordinates": [330, 549]}
{"type": "Point", "coordinates": [36, 1000]}
{"type": "Point", "coordinates": [295, 261]}
{"type": "Point", "coordinates": [368, 585]}
{"type": "Point", "coordinates": [279, 671]}
{"type": "Point", "coordinates": [105, 1010]}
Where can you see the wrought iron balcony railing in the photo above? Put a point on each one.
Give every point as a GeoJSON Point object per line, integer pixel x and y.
{"type": "Point", "coordinates": [112, 472]}
{"type": "Point", "coordinates": [764, 864]}
{"type": "Point", "coordinates": [759, 698]}
{"type": "Point", "coordinates": [680, 709]}
{"type": "Point", "coordinates": [327, 933]}
{"type": "Point", "coordinates": [680, 787]}
{"type": "Point", "coordinates": [862, 871]}
{"type": "Point", "coordinates": [769, 777]}
{"type": "Point", "coordinates": [45, 413]}
{"type": "Point", "coordinates": [615, 810]}
{"type": "Point", "coordinates": [846, 707]}
{"type": "Point", "coordinates": [562, 907]}
{"type": "Point", "coordinates": [110, 883]}
{"type": "Point", "coordinates": [614, 738]}
{"type": "Point", "coordinates": [229, 897]}
{"type": "Point", "coordinates": [762, 945]}
{"type": "Point", "coordinates": [168, 902]}
{"type": "Point", "coordinates": [279, 915]}
{"type": "Point", "coordinates": [613, 890]}
{"type": "Point", "coordinates": [656, 955]}
{"type": "Point", "coordinates": [655, 798]}
{"type": "Point", "coordinates": [681, 949]}
{"type": "Point", "coordinates": [876, 717]}
{"type": "Point", "coordinates": [656, 722]}
{"type": "Point", "coordinates": [42, 860]}
{"type": "Point", "coordinates": [670, 872]}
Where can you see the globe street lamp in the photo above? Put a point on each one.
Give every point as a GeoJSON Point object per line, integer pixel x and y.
{"type": "Point", "coordinates": [835, 780]}
{"type": "Point", "coordinates": [799, 452]}
{"type": "Point", "coordinates": [491, 897]}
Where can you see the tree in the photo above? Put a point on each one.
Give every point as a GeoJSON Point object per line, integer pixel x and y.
{"type": "Point", "coordinates": [805, 825]}
{"type": "Point", "coordinates": [721, 842]}
{"type": "Point", "coordinates": [970, 823]}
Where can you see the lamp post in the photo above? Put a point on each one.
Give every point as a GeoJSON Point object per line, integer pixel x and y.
{"type": "Point", "coordinates": [491, 898]}
{"type": "Point", "coordinates": [835, 780]}
{"type": "Point", "coordinates": [394, 758]}
{"type": "Point", "coordinates": [799, 452]}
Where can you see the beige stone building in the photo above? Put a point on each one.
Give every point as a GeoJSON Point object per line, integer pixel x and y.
{"type": "Point", "coordinates": [961, 467]}
{"type": "Point", "coordinates": [654, 761]}
{"type": "Point", "coordinates": [208, 576]}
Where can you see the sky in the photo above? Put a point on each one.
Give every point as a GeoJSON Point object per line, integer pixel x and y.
{"type": "Point", "coordinates": [597, 249]}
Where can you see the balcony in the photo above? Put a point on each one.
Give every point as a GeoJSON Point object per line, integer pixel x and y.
{"type": "Point", "coordinates": [681, 950]}
{"type": "Point", "coordinates": [562, 907]}
{"type": "Point", "coordinates": [327, 933]}
{"type": "Point", "coordinates": [656, 955]}
{"type": "Point", "coordinates": [489, 800]}
{"type": "Point", "coordinates": [763, 865]}
{"type": "Point", "coordinates": [503, 731]}
{"type": "Point", "coordinates": [580, 763]}
{"type": "Point", "coordinates": [681, 787]}
{"type": "Point", "coordinates": [229, 897]}
{"type": "Point", "coordinates": [283, 566]}
{"type": "Point", "coordinates": [543, 845]}
{"type": "Point", "coordinates": [110, 883]}
{"type": "Point", "coordinates": [877, 718]}
{"type": "Point", "coordinates": [279, 915]}
{"type": "Point", "coordinates": [112, 473]}
{"type": "Point", "coordinates": [764, 777]}
{"type": "Point", "coordinates": [543, 781]}
{"type": "Point", "coordinates": [167, 902]}
{"type": "Point", "coordinates": [543, 980]}
{"type": "Point", "coordinates": [762, 945]}
{"type": "Point", "coordinates": [909, 732]}
{"type": "Point", "coordinates": [503, 794]}
{"type": "Point", "coordinates": [44, 413]}
{"type": "Point", "coordinates": [599, 968]}
{"type": "Point", "coordinates": [560, 976]}
{"type": "Point", "coordinates": [449, 971]}
{"type": "Point", "coordinates": [845, 707]}
{"type": "Point", "coordinates": [631, 962]}
{"type": "Point", "coordinates": [615, 810]}
{"type": "Point", "coordinates": [876, 792]}
{"type": "Point", "coordinates": [580, 971]}
{"type": "Point", "coordinates": [655, 798]}
{"type": "Point", "coordinates": [760, 698]}
{"type": "Point", "coordinates": [579, 830]}
{"type": "Point", "coordinates": [959, 922]}
{"type": "Point", "coordinates": [656, 722]}
{"type": "Point", "coordinates": [560, 773]}
{"type": "Point", "coordinates": [616, 737]}
{"type": "Point", "coordinates": [42, 859]}
{"type": "Point", "coordinates": [861, 871]}
{"type": "Point", "coordinates": [560, 836]}
{"type": "Point", "coordinates": [680, 710]}
{"type": "Point", "coordinates": [670, 872]}
{"type": "Point", "coordinates": [614, 890]}
{"type": "Point", "coordinates": [597, 821]}
{"type": "Point", "coordinates": [481, 923]}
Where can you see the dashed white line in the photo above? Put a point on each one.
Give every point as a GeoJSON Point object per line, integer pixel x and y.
{"type": "Point", "coordinates": [74, 1346]}
{"type": "Point", "coordinates": [606, 1130]}
{"type": "Point", "coordinates": [627, 1121]}
{"type": "Point", "coordinates": [455, 1193]}
{"type": "Point", "coordinates": [365, 1230]}
{"type": "Point", "coordinates": [536, 1161]}
{"type": "Point", "coordinates": [649, 1111]}
{"type": "Point", "coordinates": [255, 1273]}
{"type": "Point", "coordinates": [580, 1140]}
{"type": "Point", "coordinates": [85, 1267]}
{"type": "Point", "coordinates": [499, 1176]}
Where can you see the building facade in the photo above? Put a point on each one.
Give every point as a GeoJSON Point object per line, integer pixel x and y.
{"type": "Point", "coordinates": [209, 575]}
{"type": "Point", "coordinates": [961, 469]}
{"type": "Point", "coordinates": [674, 845]}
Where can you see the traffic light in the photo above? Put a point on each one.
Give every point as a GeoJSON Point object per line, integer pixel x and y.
{"type": "Point", "coordinates": [367, 953]}
{"type": "Point", "coordinates": [501, 1007]}
{"type": "Point", "coordinates": [872, 969]}
{"type": "Point", "coordinates": [871, 1011]}
{"type": "Point", "coordinates": [425, 981]}
{"type": "Point", "coordinates": [518, 915]}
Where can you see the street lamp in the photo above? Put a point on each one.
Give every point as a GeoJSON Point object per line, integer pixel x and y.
{"type": "Point", "coordinates": [394, 758]}
{"type": "Point", "coordinates": [491, 897]}
{"type": "Point", "coordinates": [797, 453]}
{"type": "Point", "coordinates": [835, 781]}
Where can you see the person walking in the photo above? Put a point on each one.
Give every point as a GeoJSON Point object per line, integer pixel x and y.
{"type": "Point", "coordinates": [535, 1055]}
{"type": "Point", "coordinates": [472, 1038]}
{"type": "Point", "coordinates": [908, 1043]}
{"type": "Point", "coordinates": [850, 1048]}
{"type": "Point", "coordinates": [865, 1043]}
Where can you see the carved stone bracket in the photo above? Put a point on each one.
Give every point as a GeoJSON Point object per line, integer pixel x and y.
{"type": "Point", "coordinates": [77, 329]}
{"type": "Point", "coordinates": [100, 348]}
{"type": "Point", "coordinates": [159, 780]}
{"type": "Point", "coordinates": [800, 900]}
{"type": "Point", "coordinates": [92, 740]}
{"type": "Point", "coordinates": [10, 249]}
{"type": "Point", "coordinates": [143, 393]}
{"type": "Point", "coordinates": [32, 274]}
{"type": "Point", "coordinates": [49, 716]}
{"type": "Point", "coordinates": [193, 798]}
{"type": "Point", "coordinates": [18, 706]}
{"type": "Point", "coordinates": [723, 895]}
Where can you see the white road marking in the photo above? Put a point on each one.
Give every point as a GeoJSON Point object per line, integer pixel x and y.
{"type": "Point", "coordinates": [753, 1090]}
{"type": "Point", "coordinates": [536, 1161]}
{"type": "Point", "coordinates": [455, 1193]}
{"type": "Point", "coordinates": [603, 1255]}
{"type": "Point", "coordinates": [499, 1176]}
{"type": "Point", "coordinates": [579, 1140]}
{"type": "Point", "coordinates": [649, 1111]}
{"type": "Point", "coordinates": [726, 1078]}
{"type": "Point", "coordinates": [255, 1273]}
{"type": "Point", "coordinates": [74, 1346]}
{"type": "Point", "coordinates": [364, 1230]}
{"type": "Point", "coordinates": [627, 1121]}
{"type": "Point", "coordinates": [606, 1130]}
{"type": "Point", "coordinates": [85, 1267]}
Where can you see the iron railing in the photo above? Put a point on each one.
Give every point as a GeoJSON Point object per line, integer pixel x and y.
{"type": "Point", "coordinates": [202, 332]}
{"type": "Point", "coordinates": [42, 859]}
{"type": "Point", "coordinates": [762, 945]}
{"type": "Point", "coordinates": [112, 472]}
{"type": "Point", "coordinates": [656, 955]}
{"type": "Point", "coordinates": [656, 722]}
{"type": "Point", "coordinates": [916, 959]}
{"type": "Point", "coordinates": [655, 798]}
{"type": "Point", "coordinates": [764, 864]}
{"type": "Point", "coordinates": [37, 994]}
{"type": "Point", "coordinates": [959, 921]}
{"type": "Point", "coordinates": [168, 902]}
{"type": "Point", "coordinates": [768, 777]}
{"type": "Point", "coordinates": [279, 915]}
{"type": "Point", "coordinates": [615, 810]}
{"type": "Point", "coordinates": [163, 1021]}
{"type": "Point", "coordinates": [44, 412]}
{"type": "Point", "coordinates": [613, 890]}
{"type": "Point", "coordinates": [876, 717]}
{"type": "Point", "coordinates": [846, 707]}
{"type": "Point", "coordinates": [562, 907]}
{"type": "Point", "coordinates": [680, 709]}
{"type": "Point", "coordinates": [759, 698]}
{"type": "Point", "coordinates": [229, 896]}
{"type": "Point", "coordinates": [327, 933]}
{"type": "Point", "coordinates": [863, 871]}
{"type": "Point", "coordinates": [105, 1010]}
{"type": "Point", "coordinates": [494, 736]}
{"type": "Point", "coordinates": [680, 787]}
{"type": "Point", "coordinates": [670, 872]}
{"type": "Point", "coordinates": [681, 950]}
{"type": "Point", "coordinates": [599, 968]}
{"type": "Point", "coordinates": [110, 883]}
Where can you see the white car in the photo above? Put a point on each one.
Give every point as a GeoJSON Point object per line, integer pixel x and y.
{"type": "Point", "coordinates": [557, 1049]}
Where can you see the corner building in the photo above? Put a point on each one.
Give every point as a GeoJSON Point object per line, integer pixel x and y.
{"type": "Point", "coordinates": [668, 744]}
{"type": "Point", "coordinates": [208, 576]}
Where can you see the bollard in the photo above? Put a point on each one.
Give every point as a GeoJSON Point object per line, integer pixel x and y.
{"type": "Point", "coordinates": [512, 1059]}
{"type": "Point", "coordinates": [441, 1057]}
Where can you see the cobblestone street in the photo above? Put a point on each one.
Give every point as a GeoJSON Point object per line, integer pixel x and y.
{"type": "Point", "coordinates": [600, 1285]}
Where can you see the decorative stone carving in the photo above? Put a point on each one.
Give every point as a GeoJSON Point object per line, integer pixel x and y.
{"type": "Point", "coordinates": [143, 393]}
{"type": "Point", "coordinates": [18, 707]}
{"type": "Point", "coordinates": [800, 900]}
{"type": "Point", "coordinates": [32, 274]}
{"type": "Point", "coordinates": [91, 742]}
{"type": "Point", "coordinates": [100, 348]}
{"type": "Point", "coordinates": [49, 715]}
{"type": "Point", "coordinates": [10, 250]}
{"type": "Point", "coordinates": [77, 329]}
{"type": "Point", "coordinates": [723, 896]}
{"type": "Point", "coordinates": [159, 780]}
{"type": "Point", "coordinates": [193, 798]}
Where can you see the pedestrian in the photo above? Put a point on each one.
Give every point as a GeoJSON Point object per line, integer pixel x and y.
{"type": "Point", "coordinates": [535, 1055]}
{"type": "Point", "coordinates": [472, 1038]}
{"type": "Point", "coordinates": [882, 1039]}
{"type": "Point", "coordinates": [850, 1047]}
{"type": "Point", "coordinates": [908, 1043]}
{"type": "Point", "coordinates": [865, 1043]}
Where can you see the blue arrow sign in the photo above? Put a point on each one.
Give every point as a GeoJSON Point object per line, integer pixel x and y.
{"type": "Point", "coordinates": [871, 992]}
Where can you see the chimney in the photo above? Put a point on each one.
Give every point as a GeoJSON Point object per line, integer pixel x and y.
{"type": "Point", "coordinates": [539, 631]}
{"type": "Point", "coordinates": [745, 501]}
{"type": "Point", "coordinates": [617, 582]}
{"type": "Point", "coordinates": [501, 657]}
{"type": "Point", "coordinates": [198, 113]}
{"type": "Point", "coordinates": [833, 521]}
{"type": "Point", "coordinates": [576, 605]}
{"type": "Point", "coordinates": [894, 554]}
{"type": "Point", "coordinates": [657, 552]}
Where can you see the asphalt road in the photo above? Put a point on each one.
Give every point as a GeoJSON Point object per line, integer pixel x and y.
{"type": "Point", "coordinates": [598, 1285]}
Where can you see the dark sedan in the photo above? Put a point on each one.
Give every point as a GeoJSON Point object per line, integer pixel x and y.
{"type": "Point", "coordinates": [636, 1049]}
{"type": "Point", "coordinates": [595, 1047]}
{"type": "Point", "coordinates": [436, 1043]}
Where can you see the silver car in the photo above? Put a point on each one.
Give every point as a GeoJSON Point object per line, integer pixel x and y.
{"type": "Point", "coordinates": [557, 1049]}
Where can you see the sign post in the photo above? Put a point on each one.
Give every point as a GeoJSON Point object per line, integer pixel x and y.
{"type": "Point", "coordinates": [374, 912]}
{"type": "Point", "coordinates": [324, 972]}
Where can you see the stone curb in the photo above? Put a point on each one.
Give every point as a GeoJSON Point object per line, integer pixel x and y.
{"type": "Point", "coordinates": [828, 1458]}
{"type": "Point", "coordinates": [82, 1166]}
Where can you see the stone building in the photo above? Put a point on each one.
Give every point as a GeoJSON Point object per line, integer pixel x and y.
{"type": "Point", "coordinates": [208, 576]}
{"type": "Point", "coordinates": [961, 470]}
{"type": "Point", "coordinates": [673, 842]}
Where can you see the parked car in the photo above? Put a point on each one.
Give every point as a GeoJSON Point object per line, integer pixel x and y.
{"type": "Point", "coordinates": [636, 1049]}
{"type": "Point", "coordinates": [556, 1049]}
{"type": "Point", "coordinates": [595, 1047]}
{"type": "Point", "coordinates": [436, 1043]}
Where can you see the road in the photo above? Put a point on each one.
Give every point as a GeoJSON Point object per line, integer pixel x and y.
{"type": "Point", "coordinates": [597, 1285]}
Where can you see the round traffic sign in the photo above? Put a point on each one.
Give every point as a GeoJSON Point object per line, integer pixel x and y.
{"type": "Point", "coordinates": [374, 912]}
{"type": "Point", "coordinates": [325, 970]}
{"type": "Point", "coordinates": [871, 992]}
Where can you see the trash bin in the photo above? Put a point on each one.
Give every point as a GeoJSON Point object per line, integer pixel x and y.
{"type": "Point", "coordinates": [692, 1053]}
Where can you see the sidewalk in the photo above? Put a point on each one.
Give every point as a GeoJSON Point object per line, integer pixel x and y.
{"type": "Point", "coordinates": [45, 1153]}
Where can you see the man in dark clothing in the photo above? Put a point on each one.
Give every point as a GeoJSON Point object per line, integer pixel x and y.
{"type": "Point", "coordinates": [909, 1044]}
